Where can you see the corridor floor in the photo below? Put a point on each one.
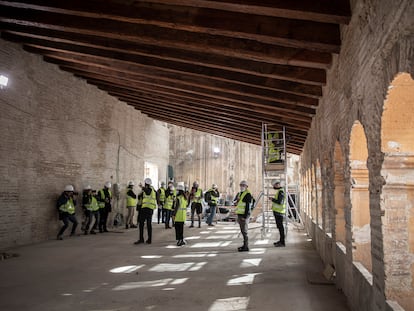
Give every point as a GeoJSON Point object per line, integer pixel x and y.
{"type": "Point", "coordinates": [108, 272]}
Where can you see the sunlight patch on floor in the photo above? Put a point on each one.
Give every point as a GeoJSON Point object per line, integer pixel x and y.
{"type": "Point", "coordinates": [196, 255]}
{"type": "Point", "coordinates": [245, 279]}
{"type": "Point", "coordinates": [230, 304]}
{"type": "Point", "coordinates": [151, 256]}
{"type": "Point", "coordinates": [126, 269]}
{"type": "Point", "coordinates": [261, 242]}
{"type": "Point", "coordinates": [155, 283]}
{"type": "Point", "coordinates": [211, 244]}
{"type": "Point", "coordinates": [246, 263]}
{"type": "Point", "coordinates": [257, 251]}
{"type": "Point", "coordinates": [219, 237]}
{"type": "Point", "coordinates": [179, 267]}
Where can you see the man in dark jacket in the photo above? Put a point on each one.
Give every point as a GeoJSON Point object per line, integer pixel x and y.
{"type": "Point", "coordinates": [243, 202]}
{"type": "Point", "coordinates": [66, 207]}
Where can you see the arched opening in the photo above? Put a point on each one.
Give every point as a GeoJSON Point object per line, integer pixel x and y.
{"type": "Point", "coordinates": [361, 229]}
{"type": "Point", "coordinates": [318, 194]}
{"type": "Point", "coordinates": [339, 201]}
{"type": "Point", "coordinates": [397, 144]}
{"type": "Point", "coordinates": [314, 211]}
{"type": "Point", "coordinates": [327, 197]}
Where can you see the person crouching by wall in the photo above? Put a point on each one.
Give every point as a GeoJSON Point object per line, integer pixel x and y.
{"type": "Point", "coordinates": [91, 209]}
{"type": "Point", "coordinates": [66, 207]}
{"type": "Point", "coordinates": [180, 214]}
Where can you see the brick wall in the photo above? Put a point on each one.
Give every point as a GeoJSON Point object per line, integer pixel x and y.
{"type": "Point", "coordinates": [377, 45]}
{"type": "Point", "coordinates": [56, 130]}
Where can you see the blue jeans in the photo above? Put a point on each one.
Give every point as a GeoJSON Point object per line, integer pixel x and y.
{"type": "Point", "coordinates": [212, 214]}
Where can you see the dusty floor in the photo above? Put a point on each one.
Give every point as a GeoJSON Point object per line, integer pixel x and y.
{"type": "Point", "coordinates": [107, 272]}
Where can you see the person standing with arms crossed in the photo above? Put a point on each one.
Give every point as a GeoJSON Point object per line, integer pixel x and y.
{"type": "Point", "coordinates": [105, 207]}
{"type": "Point", "coordinates": [161, 202]}
{"type": "Point", "coordinates": [131, 203]}
{"type": "Point", "coordinates": [170, 196]}
{"type": "Point", "coordinates": [211, 197]}
{"type": "Point", "coordinates": [149, 204]}
{"type": "Point", "coordinates": [243, 203]}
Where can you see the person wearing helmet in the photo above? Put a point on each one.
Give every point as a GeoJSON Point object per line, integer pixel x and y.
{"type": "Point", "coordinates": [161, 202]}
{"type": "Point", "coordinates": [196, 195]}
{"type": "Point", "coordinates": [131, 204]}
{"type": "Point", "coordinates": [169, 206]}
{"type": "Point", "coordinates": [243, 202]}
{"type": "Point", "coordinates": [279, 211]}
{"type": "Point", "coordinates": [180, 213]}
{"type": "Point", "coordinates": [212, 197]}
{"type": "Point", "coordinates": [149, 203]}
{"type": "Point", "coordinates": [91, 209]}
{"type": "Point", "coordinates": [105, 207]}
{"type": "Point", "coordinates": [66, 206]}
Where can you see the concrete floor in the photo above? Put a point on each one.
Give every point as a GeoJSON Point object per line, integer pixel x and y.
{"type": "Point", "coordinates": [107, 272]}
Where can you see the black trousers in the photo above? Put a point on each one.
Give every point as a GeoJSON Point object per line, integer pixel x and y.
{"type": "Point", "coordinates": [66, 218]}
{"type": "Point", "coordinates": [145, 215]}
{"type": "Point", "coordinates": [168, 214]}
{"type": "Point", "coordinates": [161, 213]}
{"type": "Point", "coordinates": [103, 219]}
{"type": "Point", "coordinates": [179, 230]}
{"type": "Point", "coordinates": [89, 217]}
{"type": "Point", "coordinates": [279, 225]}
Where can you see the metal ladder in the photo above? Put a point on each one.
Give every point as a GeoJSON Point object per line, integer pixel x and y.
{"type": "Point", "coordinates": [274, 168]}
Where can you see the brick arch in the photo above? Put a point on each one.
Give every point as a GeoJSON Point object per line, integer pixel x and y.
{"type": "Point", "coordinates": [318, 194]}
{"type": "Point", "coordinates": [360, 210]}
{"type": "Point", "coordinates": [397, 196]}
{"type": "Point", "coordinates": [339, 200]}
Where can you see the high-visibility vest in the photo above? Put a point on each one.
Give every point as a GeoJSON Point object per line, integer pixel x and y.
{"type": "Point", "coordinates": [162, 195]}
{"type": "Point", "coordinates": [279, 208]}
{"type": "Point", "coordinates": [273, 152]}
{"type": "Point", "coordinates": [149, 201]}
{"type": "Point", "coordinates": [181, 215]}
{"type": "Point", "coordinates": [68, 207]}
{"type": "Point", "coordinates": [169, 200]}
{"type": "Point", "coordinates": [102, 197]}
{"type": "Point", "coordinates": [130, 200]}
{"type": "Point", "coordinates": [92, 205]}
{"type": "Point", "coordinates": [213, 198]}
{"type": "Point", "coordinates": [198, 194]}
{"type": "Point", "coordinates": [241, 206]}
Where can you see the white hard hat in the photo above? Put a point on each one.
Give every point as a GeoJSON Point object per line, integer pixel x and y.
{"type": "Point", "coordinates": [214, 186]}
{"type": "Point", "coordinates": [88, 187]}
{"type": "Point", "coordinates": [69, 188]}
{"type": "Point", "coordinates": [108, 184]}
{"type": "Point", "coordinates": [148, 181]}
{"type": "Point", "coordinates": [244, 182]}
{"type": "Point", "coordinates": [276, 182]}
{"type": "Point", "coordinates": [195, 184]}
{"type": "Point", "coordinates": [180, 186]}
{"type": "Point", "coordinates": [131, 183]}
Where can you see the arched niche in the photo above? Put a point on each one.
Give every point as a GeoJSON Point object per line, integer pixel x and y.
{"type": "Point", "coordinates": [397, 198]}
{"type": "Point", "coordinates": [339, 202]}
{"type": "Point", "coordinates": [360, 214]}
{"type": "Point", "coordinates": [318, 194]}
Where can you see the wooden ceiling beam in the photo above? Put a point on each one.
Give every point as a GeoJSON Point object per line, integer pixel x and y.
{"type": "Point", "coordinates": [110, 16]}
{"type": "Point", "coordinates": [306, 80]}
{"type": "Point", "coordinates": [225, 47]}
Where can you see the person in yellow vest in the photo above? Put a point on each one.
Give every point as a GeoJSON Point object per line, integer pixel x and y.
{"type": "Point", "coordinates": [196, 195]}
{"type": "Point", "coordinates": [105, 207]}
{"type": "Point", "coordinates": [66, 207]}
{"type": "Point", "coordinates": [91, 208]}
{"type": "Point", "coordinates": [161, 202]}
{"type": "Point", "coordinates": [279, 211]}
{"type": "Point", "coordinates": [149, 203]}
{"type": "Point", "coordinates": [170, 196]}
{"type": "Point", "coordinates": [180, 214]}
{"type": "Point", "coordinates": [243, 202]}
{"type": "Point", "coordinates": [139, 202]}
{"type": "Point", "coordinates": [211, 197]}
{"type": "Point", "coordinates": [131, 204]}
{"type": "Point", "coordinates": [273, 148]}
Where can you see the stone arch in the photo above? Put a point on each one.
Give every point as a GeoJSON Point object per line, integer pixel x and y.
{"type": "Point", "coordinates": [314, 210]}
{"type": "Point", "coordinates": [397, 197]}
{"type": "Point", "coordinates": [339, 202]}
{"type": "Point", "coordinates": [360, 213]}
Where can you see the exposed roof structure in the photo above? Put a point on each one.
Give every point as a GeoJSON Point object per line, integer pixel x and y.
{"type": "Point", "coordinates": [217, 66]}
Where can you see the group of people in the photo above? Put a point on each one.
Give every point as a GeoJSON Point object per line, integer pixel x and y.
{"type": "Point", "coordinates": [171, 202]}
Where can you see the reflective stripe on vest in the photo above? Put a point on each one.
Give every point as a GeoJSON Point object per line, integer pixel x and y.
{"type": "Point", "coordinates": [130, 200]}
{"type": "Point", "coordinates": [279, 208]}
{"type": "Point", "coordinates": [102, 196]}
{"type": "Point", "coordinates": [241, 206]}
{"type": "Point", "coordinates": [213, 198]}
{"type": "Point", "coordinates": [197, 196]}
{"type": "Point", "coordinates": [149, 201]}
{"type": "Point", "coordinates": [92, 205]}
{"type": "Point", "coordinates": [170, 200]}
{"type": "Point", "coordinates": [181, 215]}
{"type": "Point", "coordinates": [68, 207]}
{"type": "Point", "coordinates": [162, 195]}
{"type": "Point", "coordinates": [273, 152]}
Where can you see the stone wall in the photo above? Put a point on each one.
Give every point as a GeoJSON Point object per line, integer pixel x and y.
{"type": "Point", "coordinates": [377, 45]}
{"type": "Point", "coordinates": [56, 130]}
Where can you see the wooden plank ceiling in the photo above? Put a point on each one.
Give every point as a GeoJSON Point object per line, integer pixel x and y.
{"type": "Point", "coordinates": [217, 66]}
